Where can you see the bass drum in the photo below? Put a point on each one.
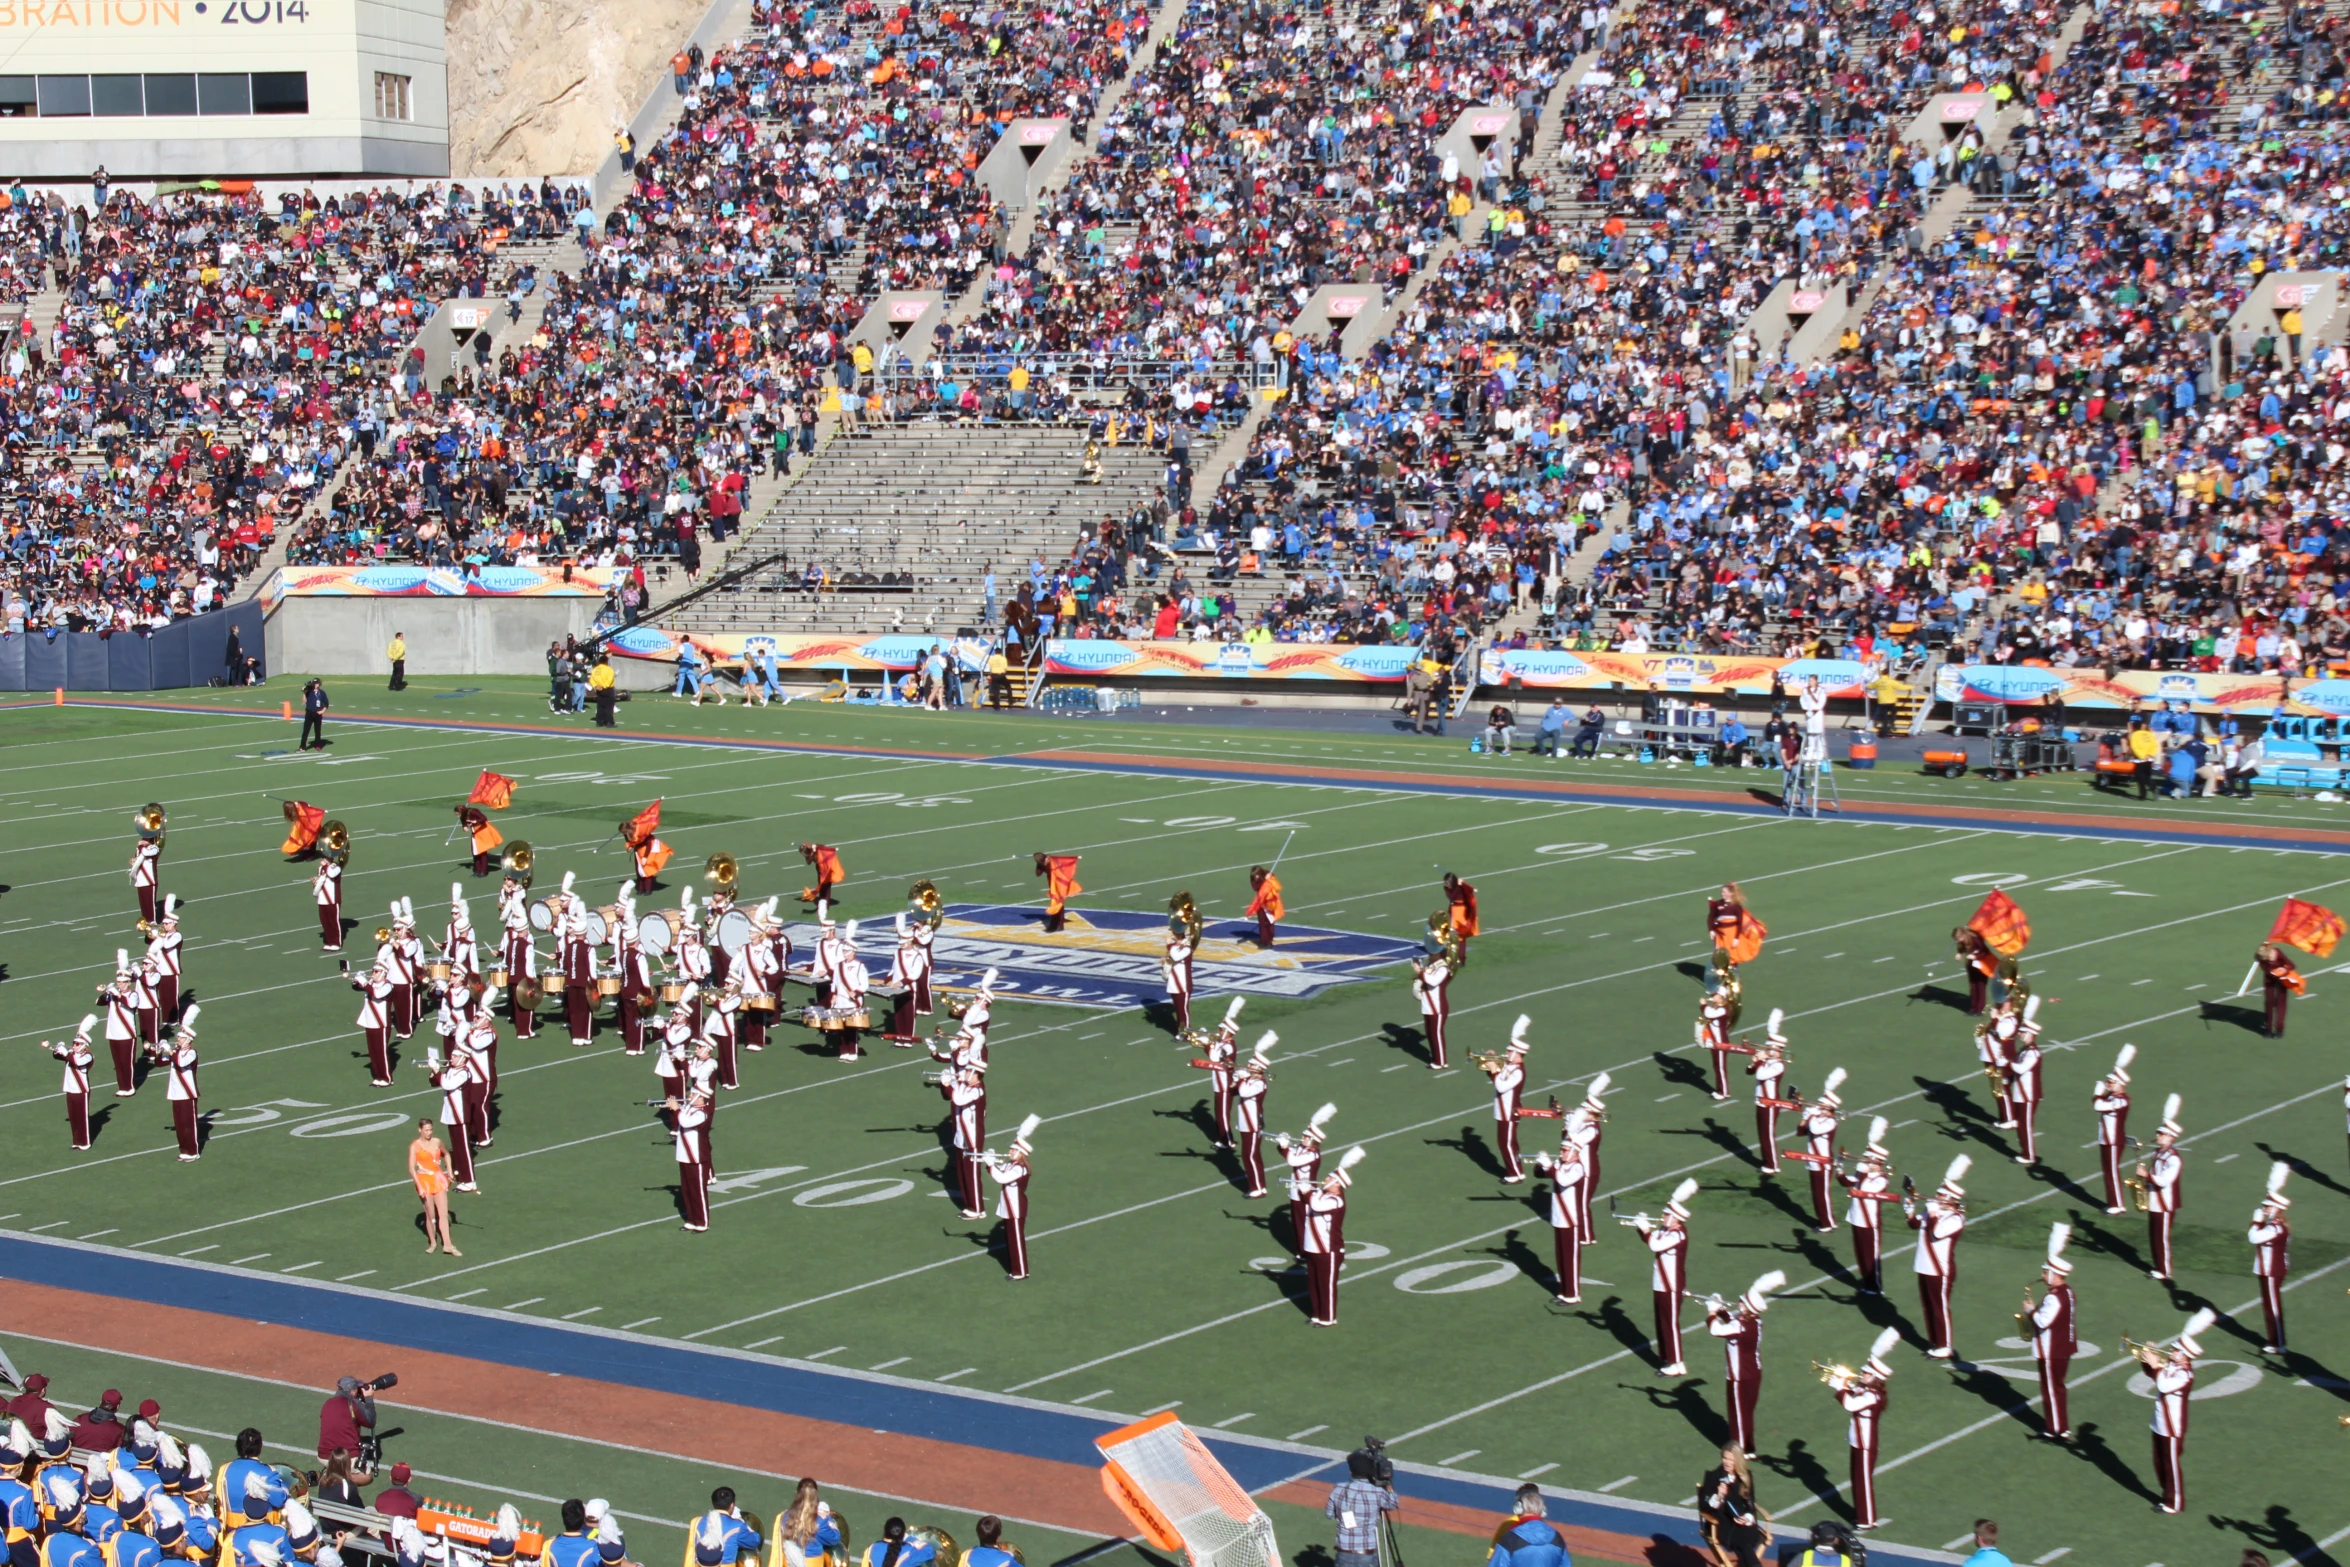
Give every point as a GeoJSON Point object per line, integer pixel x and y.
{"type": "Point", "coordinates": [734, 932]}
{"type": "Point", "coordinates": [654, 937]}
{"type": "Point", "coordinates": [542, 915]}
{"type": "Point", "coordinates": [598, 929]}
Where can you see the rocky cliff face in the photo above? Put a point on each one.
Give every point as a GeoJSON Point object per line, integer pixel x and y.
{"type": "Point", "coordinates": [539, 86]}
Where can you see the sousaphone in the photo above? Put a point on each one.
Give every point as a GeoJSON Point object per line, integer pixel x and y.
{"type": "Point", "coordinates": [517, 861]}
{"type": "Point", "coordinates": [723, 872]}
{"type": "Point", "coordinates": [334, 843]}
{"type": "Point", "coordinates": [150, 819]}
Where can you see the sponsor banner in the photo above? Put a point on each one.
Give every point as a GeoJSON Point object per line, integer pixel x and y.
{"type": "Point", "coordinates": [1690, 672]}
{"type": "Point", "coordinates": [1110, 957]}
{"type": "Point", "coordinates": [894, 653]}
{"type": "Point", "coordinates": [1227, 660]}
{"type": "Point", "coordinates": [2149, 688]}
{"type": "Point", "coordinates": [417, 582]}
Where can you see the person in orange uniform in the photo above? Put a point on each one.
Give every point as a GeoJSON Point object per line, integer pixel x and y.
{"type": "Point", "coordinates": [486, 837]}
{"type": "Point", "coordinates": [1266, 905]}
{"type": "Point", "coordinates": [2280, 981]}
{"type": "Point", "coordinates": [1461, 897]}
{"type": "Point", "coordinates": [829, 874]}
{"type": "Point", "coordinates": [1060, 873]}
{"type": "Point", "coordinates": [428, 1167]}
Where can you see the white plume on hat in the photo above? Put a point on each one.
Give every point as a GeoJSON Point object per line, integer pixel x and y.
{"type": "Point", "coordinates": [987, 983]}
{"type": "Point", "coordinates": [1681, 1195]}
{"type": "Point", "coordinates": [2122, 1060]}
{"type": "Point", "coordinates": [1023, 1138]}
{"type": "Point", "coordinates": [685, 898]}
{"type": "Point", "coordinates": [171, 905]}
{"type": "Point", "coordinates": [89, 1021]}
{"type": "Point", "coordinates": [1758, 1293]}
{"type": "Point", "coordinates": [167, 1452]}
{"type": "Point", "coordinates": [199, 1462]}
{"type": "Point", "coordinates": [1957, 1172]}
{"type": "Point", "coordinates": [1834, 1082]}
{"type": "Point", "coordinates": [128, 1487]}
{"type": "Point", "coordinates": [122, 960]}
{"type": "Point", "coordinates": [897, 922]}
{"type": "Point", "coordinates": [263, 1552]}
{"type": "Point", "coordinates": [823, 911]}
{"type": "Point", "coordinates": [1321, 1118]}
{"type": "Point", "coordinates": [55, 1426]}
{"type": "Point", "coordinates": [508, 1524]}
{"type": "Point", "coordinates": [1598, 1087]}
{"type": "Point", "coordinates": [1232, 1008]}
{"type": "Point", "coordinates": [2278, 1173]}
{"type": "Point", "coordinates": [300, 1527]}
{"type": "Point", "coordinates": [20, 1440]}
{"type": "Point", "coordinates": [713, 1528]}
{"type": "Point", "coordinates": [626, 896]}
{"type": "Point", "coordinates": [1347, 1162]}
{"type": "Point", "coordinates": [2197, 1325]}
{"type": "Point", "coordinates": [1778, 1016]}
{"type": "Point", "coordinates": [848, 933]}
{"type": "Point", "coordinates": [1883, 1347]}
{"type": "Point", "coordinates": [1265, 1043]}
{"type": "Point", "coordinates": [693, 988]}
{"type": "Point", "coordinates": [188, 1019]}
{"type": "Point", "coordinates": [456, 895]}
{"type": "Point", "coordinates": [2032, 1010]}
{"type": "Point", "coordinates": [2059, 1234]}
{"type": "Point", "coordinates": [2170, 1114]}
{"type": "Point", "coordinates": [1880, 1128]}
{"type": "Point", "coordinates": [1518, 1033]}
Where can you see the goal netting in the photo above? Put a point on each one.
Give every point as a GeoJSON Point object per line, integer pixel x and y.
{"type": "Point", "coordinates": [1170, 1486]}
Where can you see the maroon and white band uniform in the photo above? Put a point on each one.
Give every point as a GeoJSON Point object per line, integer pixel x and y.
{"type": "Point", "coordinates": [701, 1077]}
{"type": "Point", "coordinates": [1177, 968]}
{"type": "Point", "coordinates": [1011, 1206]}
{"type": "Point", "coordinates": [1303, 1155]}
{"type": "Point", "coordinates": [2054, 1340]}
{"type": "Point", "coordinates": [1509, 1091]}
{"type": "Point", "coordinates": [146, 871]}
{"type": "Point", "coordinates": [2172, 1386]}
{"type": "Point", "coordinates": [1863, 1399]}
{"type": "Point", "coordinates": [2165, 1192]}
{"type": "Point", "coordinates": [452, 1080]}
{"type": "Point", "coordinates": [779, 947]}
{"type": "Point", "coordinates": [1713, 1035]}
{"type": "Point", "coordinates": [474, 1094]}
{"type": "Point", "coordinates": [122, 1033]}
{"type": "Point", "coordinates": [762, 973]}
{"type": "Point", "coordinates": [479, 1041]}
{"type": "Point", "coordinates": [824, 962]}
{"type": "Point", "coordinates": [1248, 1126]}
{"type": "Point", "coordinates": [411, 950]}
{"type": "Point", "coordinates": [75, 1053]}
{"type": "Point", "coordinates": [851, 981]}
{"type": "Point", "coordinates": [1939, 1226]}
{"type": "Point", "coordinates": [2024, 1085]}
{"type": "Point", "coordinates": [1818, 1126]}
{"type": "Point", "coordinates": [1325, 1247]}
{"type": "Point", "coordinates": [2271, 1236]}
{"type": "Point", "coordinates": [143, 993]}
{"type": "Point", "coordinates": [1582, 1130]}
{"type": "Point", "coordinates": [459, 948]}
{"type": "Point", "coordinates": [1871, 1188]}
{"type": "Point", "coordinates": [1668, 1281]}
{"type": "Point", "coordinates": [966, 1097]}
{"type": "Point", "coordinates": [721, 1026]}
{"type": "Point", "coordinates": [1770, 1075]}
{"type": "Point", "coordinates": [1740, 1331]}
{"type": "Point", "coordinates": [179, 1089]}
{"type": "Point", "coordinates": [1221, 1052]}
{"type": "Point", "coordinates": [375, 1022]}
{"type": "Point", "coordinates": [1569, 1208]}
{"type": "Point", "coordinates": [1996, 1047]}
{"type": "Point", "coordinates": [163, 951]}
{"type": "Point", "coordinates": [326, 890]}
{"type": "Point", "coordinates": [677, 1038]}
{"type": "Point", "coordinates": [2112, 1104]}
{"type": "Point", "coordinates": [394, 963]}
{"type": "Point", "coordinates": [579, 974]}
{"type": "Point", "coordinates": [1432, 986]}
{"type": "Point", "coordinates": [635, 969]}
{"type": "Point", "coordinates": [715, 908]}
{"type": "Point", "coordinates": [693, 966]}
{"type": "Point", "coordinates": [521, 956]}
{"type": "Point", "coordinates": [692, 1145]}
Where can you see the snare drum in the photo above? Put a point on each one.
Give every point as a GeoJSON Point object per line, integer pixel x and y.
{"type": "Point", "coordinates": [497, 979]}
{"type": "Point", "coordinates": [761, 1003]}
{"type": "Point", "coordinates": [672, 994]}
{"type": "Point", "coordinates": [818, 1018]}
{"type": "Point", "coordinates": [439, 972]}
{"type": "Point", "coordinates": [608, 985]}
{"type": "Point", "coordinates": [851, 1017]}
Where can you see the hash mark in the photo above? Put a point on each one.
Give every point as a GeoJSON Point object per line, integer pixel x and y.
{"type": "Point", "coordinates": [2043, 1561]}
{"type": "Point", "coordinates": [299, 1266]}
{"type": "Point", "coordinates": [1618, 1485]}
{"type": "Point", "coordinates": [1539, 1469]}
{"type": "Point", "coordinates": [820, 1354]}
{"type": "Point", "coordinates": [201, 1250]}
{"type": "Point", "coordinates": [469, 1294]}
{"type": "Point", "coordinates": [1447, 1463]}
{"type": "Point", "coordinates": [256, 1257]}
{"type": "Point", "coordinates": [1399, 1066]}
{"type": "Point", "coordinates": [51, 1225]}
{"type": "Point", "coordinates": [638, 1323]}
{"type": "Point", "coordinates": [1224, 1425]}
{"type": "Point", "coordinates": [94, 1234]}
{"type": "Point", "coordinates": [763, 1343]}
{"type": "Point", "coordinates": [584, 1311]}
{"type": "Point", "coordinates": [518, 1305]}
{"type": "Point", "coordinates": [1299, 1436]}
{"type": "Point", "coordinates": [885, 1365]}
{"type": "Point", "coordinates": [950, 1376]}
{"type": "Point", "coordinates": [361, 1274]}
{"type": "Point", "coordinates": [1090, 1397]}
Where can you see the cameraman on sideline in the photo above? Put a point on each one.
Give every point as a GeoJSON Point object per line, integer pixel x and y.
{"type": "Point", "coordinates": [345, 1419]}
{"type": "Point", "coordinates": [1360, 1504]}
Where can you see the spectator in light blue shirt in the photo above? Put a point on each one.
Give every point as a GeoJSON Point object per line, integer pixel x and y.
{"type": "Point", "coordinates": [1987, 1551]}
{"type": "Point", "coordinates": [1528, 1540]}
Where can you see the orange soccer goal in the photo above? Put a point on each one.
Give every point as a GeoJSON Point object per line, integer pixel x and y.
{"type": "Point", "coordinates": [1178, 1497]}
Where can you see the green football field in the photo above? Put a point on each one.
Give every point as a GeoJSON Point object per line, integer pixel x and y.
{"type": "Point", "coordinates": [1156, 1283]}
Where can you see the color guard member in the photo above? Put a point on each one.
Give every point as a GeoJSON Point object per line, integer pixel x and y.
{"type": "Point", "coordinates": [1325, 1240]}
{"type": "Point", "coordinates": [1509, 1092]}
{"type": "Point", "coordinates": [1060, 874]}
{"type": "Point", "coordinates": [1461, 901]}
{"type": "Point", "coordinates": [829, 875]}
{"type": "Point", "coordinates": [1738, 1324]}
{"type": "Point", "coordinates": [2055, 1338]}
{"type": "Point", "coordinates": [2172, 1371]}
{"type": "Point", "coordinates": [1981, 963]}
{"type": "Point", "coordinates": [1265, 903]}
{"type": "Point", "coordinates": [1668, 1246]}
{"type": "Point", "coordinates": [1939, 1221]}
{"type": "Point", "coordinates": [1250, 1084]}
{"type": "Point", "coordinates": [2271, 1237]}
{"type": "Point", "coordinates": [326, 891]}
{"type": "Point", "coordinates": [2163, 1175]}
{"type": "Point", "coordinates": [1820, 1120]}
{"type": "Point", "coordinates": [75, 1053]}
{"type": "Point", "coordinates": [180, 1088]}
{"type": "Point", "coordinates": [1011, 1173]}
{"type": "Point", "coordinates": [1862, 1397]}
{"type": "Point", "coordinates": [2111, 1101]}
{"type": "Point", "coordinates": [2280, 982]}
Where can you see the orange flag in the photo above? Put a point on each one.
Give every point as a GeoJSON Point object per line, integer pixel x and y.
{"type": "Point", "coordinates": [828, 864]}
{"type": "Point", "coordinates": [641, 826]}
{"type": "Point", "coordinates": [651, 855]}
{"type": "Point", "coordinates": [1268, 899]}
{"type": "Point", "coordinates": [2002, 925]}
{"type": "Point", "coordinates": [1060, 873]}
{"type": "Point", "coordinates": [494, 790]}
{"type": "Point", "coordinates": [2312, 927]}
{"type": "Point", "coordinates": [302, 824]}
{"type": "Point", "coordinates": [1747, 941]}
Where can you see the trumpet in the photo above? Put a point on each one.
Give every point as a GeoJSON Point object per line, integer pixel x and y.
{"type": "Point", "coordinates": [383, 933]}
{"type": "Point", "coordinates": [1488, 1061]}
{"type": "Point", "coordinates": [2145, 1354]}
{"type": "Point", "coordinates": [1634, 1221]}
{"type": "Point", "coordinates": [1834, 1375]}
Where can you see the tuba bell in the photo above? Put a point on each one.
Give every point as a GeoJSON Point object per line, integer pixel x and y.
{"type": "Point", "coordinates": [949, 1553]}
{"type": "Point", "coordinates": [1184, 918]}
{"type": "Point", "coordinates": [926, 904]}
{"type": "Point", "coordinates": [334, 843]}
{"type": "Point", "coordinates": [517, 861]}
{"type": "Point", "coordinates": [150, 819]}
{"type": "Point", "coordinates": [722, 872]}
{"type": "Point", "coordinates": [1444, 941]}
{"type": "Point", "coordinates": [383, 933]}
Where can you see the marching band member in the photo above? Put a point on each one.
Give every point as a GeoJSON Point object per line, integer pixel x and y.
{"type": "Point", "coordinates": [2054, 1336]}
{"type": "Point", "coordinates": [826, 958]}
{"type": "Point", "coordinates": [519, 955]}
{"type": "Point", "coordinates": [690, 1120]}
{"type": "Point", "coordinates": [1819, 1123]}
{"type": "Point", "coordinates": [1768, 1067]}
{"type": "Point", "coordinates": [458, 947]}
{"type": "Point", "coordinates": [480, 1041]}
{"type": "Point", "coordinates": [1995, 1043]}
{"type": "Point", "coordinates": [691, 955]}
{"type": "Point", "coordinates": [1569, 1206]}
{"type": "Point", "coordinates": [965, 1091]}
{"type": "Point", "coordinates": [122, 1024]}
{"type": "Point", "coordinates": [2280, 982]}
{"type": "Point", "coordinates": [393, 960]}
{"type": "Point", "coordinates": [1175, 966]}
{"type": "Point", "coordinates": [778, 943]}
{"type": "Point", "coordinates": [1432, 988]}
{"type": "Point", "coordinates": [969, 1045]}
{"type": "Point", "coordinates": [762, 971]}
{"type": "Point", "coordinates": [1713, 1034]}
{"type": "Point", "coordinates": [375, 1020]}
{"type": "Point", "coordinates": [1862, 1396]}
{"type": "Point", "coordinates": [1303, 1155]}
{"type": "Point", "coordinates": [1981, 963]}
{"type": "Point", "coordinates": [2164, 1191]}
{"type": "Point", "coordinates": [715, 907]}
{"type": "Point", "coordinates": [1265, 904]}
{"type": "Point", "coordinates": [1738, 1324]}
{"type": "Point", "coordinates": [1060, 874]}
{"type": "Point", "coordinates": [1509, 1092]}
{"type": "Point", "coordinates": [635, 968]}
{"type": "Point", "coordinates": [1325, 1240]}
{"type": "Point", "coordinates": [474, 1092]}
{"type": "Point", "coordinates": [1579, 1130]}
{"type": "Point", "coordinates": [143, 1002]}
{"type": "Point", "coordinates": [1011, 1173]}
{"type": "Point", "coordinates": [411, 949]}
{"type": "Point", "coordinates": [146, 873]}
{"type": "Point", "coordinates": [2111, 1101]}
{"type": "Point", "coordinates": [2173, 1373]}
{"type": "Point", "coordinates": [909, 973]}
{"type": "Point", "coordinates": [1939, 1221]}
{"type": "Point", "coordinates": [577, 959]}
{"type": "Point", "coordinates": [451, 1078]}
{"type": "Point", "coordinates": [1668, 1246]}
{"type": "Point", "coordinates": [326, 890]}
{"type": "Point", "coordinates": [851, 981]}
{"type": "Point", "coordinates": [75, 1053]}
{"type": "Point", "coordinates": [1223, 1050]}
{"type": "Point", "coordinates": [719, 1030]}
{"type": "Point", "coordinates": [826, 859]}
{"type": "Point", "coordinates": [180, 1087]}
{"type": "Point", "coordinates": [1587, 1130]}
{"type": "Point", "coordinates": [2024, 1085]}
{"type": "Point", "coordinates": [2271, 1237]}
{"type": "Point", "coordinates": [1251, 1082]}
{"type": "Point", "coordinates": [677, 1039]}
{"type": "Point", "coordinates": [1460, 901]}
{"type": "Point", "coordinates": [164, 950]}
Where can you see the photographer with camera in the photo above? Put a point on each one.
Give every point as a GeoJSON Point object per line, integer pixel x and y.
{"type": "Point", "coordinates": [347, 1420]}
{"type": "Point", "coordinates": [1361, 1504]}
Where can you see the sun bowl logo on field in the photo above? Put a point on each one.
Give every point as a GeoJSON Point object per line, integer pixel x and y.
{"type": "Point", "coordinates": [1110, 957]}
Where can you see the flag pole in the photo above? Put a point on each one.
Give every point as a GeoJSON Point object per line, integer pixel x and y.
{"type": "Point", "coordinates": [2247, 985]}
{"type": "Point", "coordinates": [1276, 865]}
